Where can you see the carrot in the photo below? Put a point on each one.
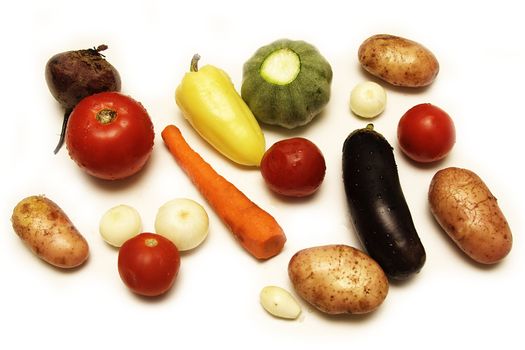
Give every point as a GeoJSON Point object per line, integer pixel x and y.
{"type": "Point", "coordinates": [256, 230]}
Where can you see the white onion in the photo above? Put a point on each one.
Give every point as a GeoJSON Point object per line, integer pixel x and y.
{"type": "Point", "coordinates": [119, 224]}
{"type": "Point", "coordinates": [184, 222]}
{"type": "Point", "coordinates": [368, 99]}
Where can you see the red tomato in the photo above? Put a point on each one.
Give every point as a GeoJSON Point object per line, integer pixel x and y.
{"type": "Point", "coordinates": [148, 264]}
{"type": "Point", "coordinates": [426, 133]}
{"type": "Point", "coordinates": [109, 135]}
{"type": "Point", "coordinates": [293, 167]}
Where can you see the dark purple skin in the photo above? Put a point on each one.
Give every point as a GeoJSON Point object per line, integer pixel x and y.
{"type": "Point", "coordinates": [73, 75]}
{"type": "Point", "coordinates": [380, 213]}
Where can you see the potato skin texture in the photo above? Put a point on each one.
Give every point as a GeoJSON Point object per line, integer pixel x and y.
{"type": "Point", "coordinates": [49, 233]}
{"type": "Point", "coordinates": [338, 279]}
{"type": "Point", "coordinates": [398, 61]}
{"type": "Point", "coordinates": [468, 212]}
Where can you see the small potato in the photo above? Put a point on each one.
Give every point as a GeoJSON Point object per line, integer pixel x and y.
{"type": "Point", "coordinates": [49, 233]}
{"type": "Point", "coordinates": [469, 213]}
{"type": "Point", "coordinates": [338, 279]}
{"type": "Point", "coordinates": [398, 61]}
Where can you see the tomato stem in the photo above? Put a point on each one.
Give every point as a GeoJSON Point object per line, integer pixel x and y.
{"type": "Point", "coordinates": [106, 116]}
{"type": "Point", "coordinates": [151, 242]}
{"type": "Point", "coordinates": [194, 63]}
{"type": "Point", "coordinates": [63, 131]}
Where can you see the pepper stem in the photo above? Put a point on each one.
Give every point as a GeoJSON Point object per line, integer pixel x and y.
{"type": "Point", "coordinates": [194, 63]}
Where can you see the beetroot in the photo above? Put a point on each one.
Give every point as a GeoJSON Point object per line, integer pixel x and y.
{"type": "Point", "coordinates": [73, 75]}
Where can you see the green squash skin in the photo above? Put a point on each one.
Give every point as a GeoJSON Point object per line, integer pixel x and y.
{"type": "Point", "coordinates": [296, 103]}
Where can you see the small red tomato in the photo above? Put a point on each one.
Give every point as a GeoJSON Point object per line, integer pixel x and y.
{"type": "Point", "coordinates": [426, 133]}
{"type": "Point", "coordinates": [148, 264]}
{"type": "Point", "coordinates": [293, 167]}
{"type": "Point", "coordinates": [109, 135]}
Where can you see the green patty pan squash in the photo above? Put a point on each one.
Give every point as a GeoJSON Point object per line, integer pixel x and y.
{"type": "Point", "coordinates": [286, 83]}
{"type": "Point", "coordinates": [209, 101]}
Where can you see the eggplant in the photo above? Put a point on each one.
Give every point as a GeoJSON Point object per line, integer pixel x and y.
{"type": "Point", "coordinates": [378, 208]}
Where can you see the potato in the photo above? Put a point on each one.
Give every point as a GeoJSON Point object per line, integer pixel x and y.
{"type": "Point", "coordinates": [468, 212]}
{"type": "Point", "coordinates": [338, 279]}
{"type": "Point", "coordinates": [398, 61]}
{"type": "Point", "coordinates": [49, 233]}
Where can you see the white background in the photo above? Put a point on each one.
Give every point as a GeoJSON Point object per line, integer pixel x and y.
{"type": "Point", "coordinates": [215, 300]}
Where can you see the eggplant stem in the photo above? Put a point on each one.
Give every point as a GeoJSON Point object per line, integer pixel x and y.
{"type": "Point", "coordinates": [63, 131]}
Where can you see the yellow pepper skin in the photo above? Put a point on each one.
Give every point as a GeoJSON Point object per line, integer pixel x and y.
{"type": "Point", "coordinates": [209, 101]}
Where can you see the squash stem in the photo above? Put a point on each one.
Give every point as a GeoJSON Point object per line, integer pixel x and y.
{"type": "Point", "coordinates": [194, 67]}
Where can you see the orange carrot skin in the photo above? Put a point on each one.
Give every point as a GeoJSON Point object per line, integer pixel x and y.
{"type": "Point", "coordinates": [256, 230]}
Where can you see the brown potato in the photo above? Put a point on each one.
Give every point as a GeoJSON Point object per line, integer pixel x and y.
{"type": "Point", "coordinates": [49, 233]}
{"type": "Point", "coordinates": [338, 279]}
{"type": "Point", "coordinates": [469, 213]}
{"type": "Point", "coordinates": [398, 61]}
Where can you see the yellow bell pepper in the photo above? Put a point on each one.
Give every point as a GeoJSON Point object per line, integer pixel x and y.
{"type": "Point", "coordinates": [209, 101]}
